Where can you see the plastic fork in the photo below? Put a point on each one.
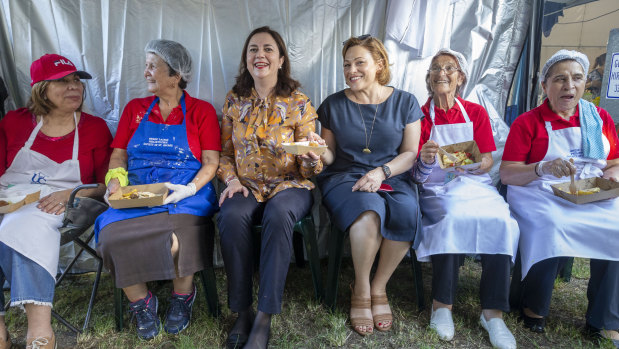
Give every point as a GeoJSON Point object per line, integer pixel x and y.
{"type": "Point", "coordinates": [449, 155]}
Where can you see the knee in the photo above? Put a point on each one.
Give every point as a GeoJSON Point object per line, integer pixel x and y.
{"type": "Point", "coordinates": [366, 220]}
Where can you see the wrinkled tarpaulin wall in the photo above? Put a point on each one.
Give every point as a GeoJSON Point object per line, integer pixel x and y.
{"type": "Point", "coordinates": [107, 37]}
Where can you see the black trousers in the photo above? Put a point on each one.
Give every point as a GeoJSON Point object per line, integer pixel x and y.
{"type": "Point", "coordinates": [493, 287]}
{"type": "Point", "coordinates": [277, 216]}
{"type": "Point", "coordinates": [602, 291]}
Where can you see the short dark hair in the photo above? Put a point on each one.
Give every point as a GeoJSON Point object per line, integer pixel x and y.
{"type": "Point", "coordinates": [285, 83]}
{"type": "Point", "coordinates": [182, 84]}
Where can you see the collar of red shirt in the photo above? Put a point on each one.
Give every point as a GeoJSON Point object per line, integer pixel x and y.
{"type": "Point", "coordinates": [549, 115]}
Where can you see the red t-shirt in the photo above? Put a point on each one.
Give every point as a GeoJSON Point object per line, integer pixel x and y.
{"type": "Point", "coordinates": [528, 140]}
{"type": "Point", "coordinates": [482, 131]}
{"type": "Point", "coordinates": [94, 143]}
{"type": "Point", "coordinates": [202, 124]}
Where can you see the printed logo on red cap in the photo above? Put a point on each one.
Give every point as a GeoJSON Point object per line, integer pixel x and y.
{"type": "Point", "coordinates": [53, 67]}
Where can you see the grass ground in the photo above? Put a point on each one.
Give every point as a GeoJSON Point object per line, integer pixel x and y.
{"type": "Point", "coordinates": [306, 323]}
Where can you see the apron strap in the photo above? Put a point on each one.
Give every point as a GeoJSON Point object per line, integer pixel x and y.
{"type": "Point", "coordinates": [76, 139]}
{"type": "Point", "coordinates": [152, 105]}
{"type": "Point", "coordinates": [464, 113]}
{"type": "Point", "coordinates": [37, 128]}
{"type": "Point", "coordinates": [33, 135]}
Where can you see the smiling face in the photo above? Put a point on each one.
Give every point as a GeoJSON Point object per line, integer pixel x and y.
{"type": "Point", "coordinates": [441, 82]}
{"type": "Point", "coordinates": [263, 57]}
{"type": "Point", "coordinates": [564, 86]}
{"type": "Point", "coordinates": [157, 74]}
{"type": "Point", "coordinates": [66, 93]}
{"type": "Point", "coordinates": [360, 68]}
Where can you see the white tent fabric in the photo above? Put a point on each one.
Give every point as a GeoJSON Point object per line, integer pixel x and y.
{"type": "Point", "coordinates": [107, 39]}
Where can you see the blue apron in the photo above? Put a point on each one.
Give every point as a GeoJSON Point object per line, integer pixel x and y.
{"type": "Point", "coordinates": [160, 153]}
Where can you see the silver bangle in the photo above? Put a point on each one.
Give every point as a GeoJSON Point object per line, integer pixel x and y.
{"type": "Point", "coordinates": [539, 171]}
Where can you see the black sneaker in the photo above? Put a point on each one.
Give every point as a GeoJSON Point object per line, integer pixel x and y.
{"type": "Point", "coordinates": [179, 312]}
{"type": "Point", "coordinates": [145, 313]}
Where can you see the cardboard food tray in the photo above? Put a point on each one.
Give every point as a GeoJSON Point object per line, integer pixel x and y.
{"type": "Point", "coordinates": [300, 148]}
{"type": "Point", "coordinates": [28, 199]}
{"type": "Point", "coordinates": [608, 190]}
{"type": "Point", "coordinates": [469, 147]}
{"type": "Point", "coordinates": [116, 200]}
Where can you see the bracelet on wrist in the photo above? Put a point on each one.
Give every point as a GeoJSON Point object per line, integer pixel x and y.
{"type": "Point", "coordinates": [539, 171]}
{"type": "Point", "coordinates": [230, 181]}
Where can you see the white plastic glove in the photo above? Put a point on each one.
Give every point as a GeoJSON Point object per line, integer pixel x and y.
{"type": "Point", "coordinates": [106, 196]}
{"type": "Point", "coordinates": [180, 192]}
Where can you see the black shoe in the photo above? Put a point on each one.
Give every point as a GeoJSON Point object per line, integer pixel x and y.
{"type": "Point", "coordinates": [179, 312]}
{"type": "Point", "coordinates": [534, 324]}
{"type": "Point", "coordinates": [239, 334]}
{"type": "Point", "coordinates": [596, 334]}
{"type": "Point", "coordinates": [145, 313]}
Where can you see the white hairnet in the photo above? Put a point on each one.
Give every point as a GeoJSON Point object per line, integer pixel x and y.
{"type": "Point", "coordinates": [464, 67]}
{"type": "Point", "coordinates": [563, 55]}
{"type": "Point", "coordinates": [173, 53]}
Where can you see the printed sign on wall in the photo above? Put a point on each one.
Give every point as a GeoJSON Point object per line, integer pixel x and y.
{"type": "Point", "coordinates": [613, 78]}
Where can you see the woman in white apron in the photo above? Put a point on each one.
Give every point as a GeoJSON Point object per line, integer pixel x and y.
{"type": "Point", "coordinates": [50, 147]}
{"type": "Point", "coordinates": [462, 212]}
{"type": "Point", "coordinates": [537, 151]}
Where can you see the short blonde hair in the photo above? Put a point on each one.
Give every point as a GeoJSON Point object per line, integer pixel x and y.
{"type": "Point", "coordinates": [378, 52]}
{"type": "Point", "coordinates": [38, 104]}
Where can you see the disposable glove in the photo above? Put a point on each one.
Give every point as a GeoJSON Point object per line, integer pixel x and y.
{"type": "Point", "coordinates": [180, 192]}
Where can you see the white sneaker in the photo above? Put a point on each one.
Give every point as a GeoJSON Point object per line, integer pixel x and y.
{"type": "Point", "coordinates": [500, 336]}
{"type": "Point", "coordinates": [442, 323]}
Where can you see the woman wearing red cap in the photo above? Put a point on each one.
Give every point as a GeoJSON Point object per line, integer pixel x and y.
{"type": "Point", "coordinates": [51, 146]}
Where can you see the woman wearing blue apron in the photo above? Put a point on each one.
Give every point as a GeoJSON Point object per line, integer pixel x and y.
{"type": "Point", "coordinates": [537, 151]}
{"type": "Point", "coordinates": [462, 213]}
{"type": "Point", "coordinates": [170, 138]}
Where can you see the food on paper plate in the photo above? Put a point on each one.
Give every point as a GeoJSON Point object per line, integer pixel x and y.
{"type": "Point", "coordinates": [464, 158]}
{"type": "Point", "coordinates": [588, 191]}
{"type": "Point", "coordinates": [135, 194]}
{"type": "Point", "coordinates": [314, 144]}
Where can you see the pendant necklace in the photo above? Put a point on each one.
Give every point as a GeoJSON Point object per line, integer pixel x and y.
{"type": "Point", "coordinates": [367, 150]}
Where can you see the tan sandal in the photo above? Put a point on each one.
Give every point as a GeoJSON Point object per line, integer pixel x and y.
{"type": "Point", "coordinates": [360, 303]}
{"type": "Point", "coordinates": [381, 318]}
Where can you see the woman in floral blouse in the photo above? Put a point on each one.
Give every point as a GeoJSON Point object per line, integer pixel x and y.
{"type": "Point", "coordinates": [264, 185]}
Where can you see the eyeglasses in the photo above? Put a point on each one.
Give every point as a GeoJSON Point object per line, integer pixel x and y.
{"type": "Point", "coordinates": [360, 37]}
{"type": "Point", "coordinates": [449, 69]}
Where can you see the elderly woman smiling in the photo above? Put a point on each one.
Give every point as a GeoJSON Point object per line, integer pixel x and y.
{"type": "Point", "coordinates": [537, 151]}
{"type": "Point", "coordinates": [169, 241]}
{"type": "Point", "coordinates": [458, 210]}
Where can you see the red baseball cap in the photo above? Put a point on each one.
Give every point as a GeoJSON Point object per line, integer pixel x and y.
{"type": "Point", "coordinates": [53, 67]}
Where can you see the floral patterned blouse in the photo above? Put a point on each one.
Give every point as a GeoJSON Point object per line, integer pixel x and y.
{"type": "Point", "coordinates": [252, 133]}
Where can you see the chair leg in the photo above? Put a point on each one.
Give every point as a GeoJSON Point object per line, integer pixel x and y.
{"type": "Point", "coordinates": [118, 308]}
{"type": "Point", "coordinates": [336, 246]}
{"type": "Point", "coordinates": [308, 231]}
{"type": "Point", "coordinates": [297, 246]}
{"type": "Point", "coordinates": [515, 286]}
{"type": "Point", "coordinates": [209, 284]}
{"type": "Point", "coordinates": [566, 272]}
{"type": "Point", "coordinates": [93, 294]}
{"type": "Point", "coordinates": [418, 277]}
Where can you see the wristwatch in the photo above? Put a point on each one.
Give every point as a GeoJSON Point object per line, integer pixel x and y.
{"type": "Point", "coordinates": [386, 171]}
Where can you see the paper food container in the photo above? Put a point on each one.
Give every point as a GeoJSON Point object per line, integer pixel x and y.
{"type": "Point", "coordinates": [468, 147]}
{"type": "Point", "coordinates": [608, 190]}
{"type": "Point", "coordinates": [16, 201]}
{"type": "Point", "coordinates": [159, 189]}
{"type": "Point", "coordinates": [300, 148]}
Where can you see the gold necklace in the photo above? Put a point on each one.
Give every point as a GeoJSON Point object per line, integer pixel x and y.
{"type": "Point", "coordinates": [367, 150]}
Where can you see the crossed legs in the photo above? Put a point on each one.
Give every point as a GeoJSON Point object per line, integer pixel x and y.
{"type": "Point", "coordinates": [365, 242]}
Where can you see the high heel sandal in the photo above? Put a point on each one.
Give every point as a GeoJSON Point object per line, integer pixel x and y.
{"type": "Point", "coordinates": [360, 303]}
{"type": "Point", "coordinates": [384, 317]}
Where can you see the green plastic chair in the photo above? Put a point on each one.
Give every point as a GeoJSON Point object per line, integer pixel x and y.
{"type": "Point", "coordinates": [336, 247]}
{"type": "Point", "coordinates": [304, 231]}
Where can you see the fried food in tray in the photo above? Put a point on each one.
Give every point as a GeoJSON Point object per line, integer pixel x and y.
{"type": "Point", "coordinates": [464, 158]}
{"type": "Point", "coordinates": [135, 194]}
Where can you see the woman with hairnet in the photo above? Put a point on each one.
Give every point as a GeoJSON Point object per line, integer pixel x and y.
{"type": "Point", "coordinates": [463, 213]}
{"type": "Point", "coordinates": [539, 147]}
{"type": "Point", "coordinates": [169, 137]}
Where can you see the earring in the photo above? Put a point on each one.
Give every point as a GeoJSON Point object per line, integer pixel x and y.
{"type": "Point", "coordinates": [280, 67]}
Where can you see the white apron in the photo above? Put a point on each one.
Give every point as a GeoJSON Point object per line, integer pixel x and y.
{"type": "Point", "coordinates": [554, 227]}
{"type": "Point", "coordinates": [466, 215]}
{"type": "Point", "coordinates": [29, 230]}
